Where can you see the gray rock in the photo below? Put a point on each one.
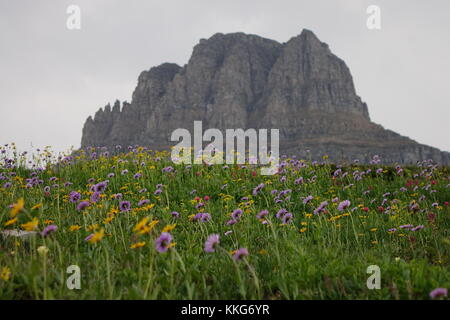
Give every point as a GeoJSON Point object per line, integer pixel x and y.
{"type": "Point", "coordinates": [245, 81]}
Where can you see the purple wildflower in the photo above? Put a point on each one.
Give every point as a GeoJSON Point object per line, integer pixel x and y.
{"type": "Point", "coordinates": [167, 169]}
{"type": "Point", "coordinates": [438, 292]}
{"type": "Point", "coordinates": [74, 197]}
{"type": "Point", "coordinates": [418, 227]}
{"type": "Point", "coordinates": [287, 218]}
{"type": "Point", "coordinates": [321, 207]}
{"type": "Point", "coordinates": [240, 253]}
{"type": "Point", "coordinates": [258, 188]}
{"type": "Point", "coordinates": [137, 175]}
{"type": "Point", "coordinates": [162, 243]}
{"type": "Point", "coordinates": [211, 242]}
{"type": "Point", "coordinates": [49, 229]}
{"type": "Point", "coordinates": [95, 196]}
{"type": "Point", "coordinates": [343, 205]}
{"type": "Point", "coordinates": [142, 202]}
{"type": "Point", "coordinates": [307, 199]}
{"type": "Point", "coordinates": [175, 214]}
{"type": "Point", "coordinates": [82, 205]}
{"type": "Point", "coordinates": [281, 213]}
{"type": "Point", "coordinates": [262, 214]}
{"type": "Point", "coordinates": [125, 205]}
{"type": "Point", "coordinates": [236, 214]}
{"type": "Point", "coordinates": [89, 237]}
{"type": "Point", "coordinates": [100, 187]}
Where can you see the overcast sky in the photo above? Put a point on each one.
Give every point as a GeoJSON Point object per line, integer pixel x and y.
{"type": "Point", "coordinates": [52, 78]}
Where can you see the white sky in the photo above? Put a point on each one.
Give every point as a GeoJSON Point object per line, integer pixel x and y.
{"type": "Point", "coordinates": [52, 79]}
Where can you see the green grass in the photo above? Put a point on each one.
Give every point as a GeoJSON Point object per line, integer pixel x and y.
{"type": "Point", "coordinates": [313, 257]}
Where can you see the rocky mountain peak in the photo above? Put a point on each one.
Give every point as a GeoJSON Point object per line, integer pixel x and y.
{"type": "Point", "coordinates": [244, 81]}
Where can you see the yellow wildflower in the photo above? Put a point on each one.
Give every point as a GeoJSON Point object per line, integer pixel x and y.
{"type": "Point", "coordinates": [74, 227]}
{"type": "Point", "coordinates": [31, 225]}
{"type": "Point", "coordinates": [97, 236]}
{"type": "Point", "coordinates": [37, 206]}
{"type": "Point", "coordinates": [169, 227]}
{"type": "Point", "coordinates": [17, 207]}
{"type": "Point", "coordinates": [137, 245]}
{"type": "Point", "coordinates": [93, 227]}
{"type": "Point", "coordinates": [5, 274]}
{"type": "Point", "coordinates": [10, 222]}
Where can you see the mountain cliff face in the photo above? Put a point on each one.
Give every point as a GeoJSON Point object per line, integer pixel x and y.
{"type": "Point", "coordinates": [245, 81]}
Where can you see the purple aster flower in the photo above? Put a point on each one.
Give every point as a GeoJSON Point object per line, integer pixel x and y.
{"type": "Point", "coordinates": [82, 205]}
{"type": "Point", "coordinates": [110, 175]}
{"type": "Point", "coordinates": [418, 227]}
{"type": "Point", "coordinates": [125, 205]}
{"type": "Point", "coordinates": [46, 189]}
{"type": "Point", "coordinates": [258, 188]}
{"type": "Point", "coordinates": [163, 241]}
{"type": "Point", "coordinates": [307, 199]}
{"type": "Point", "coordinates": [49, 229]}
{"type": "Point", "coordinates": [211, 242]}
{"type": "Point", "coordinates": [125, 171]}
{"type": "Point", "coordinates": [262, 214]}
{"type": "Point", "coordinates": [205, 217]}
{"type": "Point", "coordinates": [117, 196]}
{"type": "Point", "coordinates": [167, 169]}
{"type": "Point", "coordinates": [343, 205]}
{"type": "Point", "coordinates": [438, 292]}
{"type": "Point", "coordinates": [89, 237]}
{"type": "Point", "coordinates": [236, 214]}
{"type": "Point", "coordinates": [175, 214]}
{"type": "Point", "coordinates": [299, 180]}
{"type": "Point", "coordinates": [199, 205]}
{"type": "Point", "coordinates": [142, 202]}
{"type": "Point", "coordinates": [7, 185]}
{"type": "Point", "coordinates": [287, 218]}
{"type": "Point", "coordinates": [231, 222]}
{"type": "Point", "coordinates": [321, 207]}
{"type": "Point", "coordinates": [100, 187]}
{"type": "Point", "coordinates": [281, 213]}
{"type": "Point", "coordinates": [240, 254]}
{"type": "Point", "coordinates": [392, 230]}
{"type": "Point", "coordinates": [137, 175]}
{"type": "Point", "coordinates": [95, 197]}
{"type": "Point", "coordinates": [406, 226]}
{"type": "Point", "coordinates": [157, 192]}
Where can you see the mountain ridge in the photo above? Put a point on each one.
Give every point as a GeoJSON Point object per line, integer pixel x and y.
{"type": "Point", "coordinates": [246, 81]}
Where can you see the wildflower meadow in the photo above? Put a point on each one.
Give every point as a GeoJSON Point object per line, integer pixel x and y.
{"type": "Point", "coordinates": [133, 225]}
